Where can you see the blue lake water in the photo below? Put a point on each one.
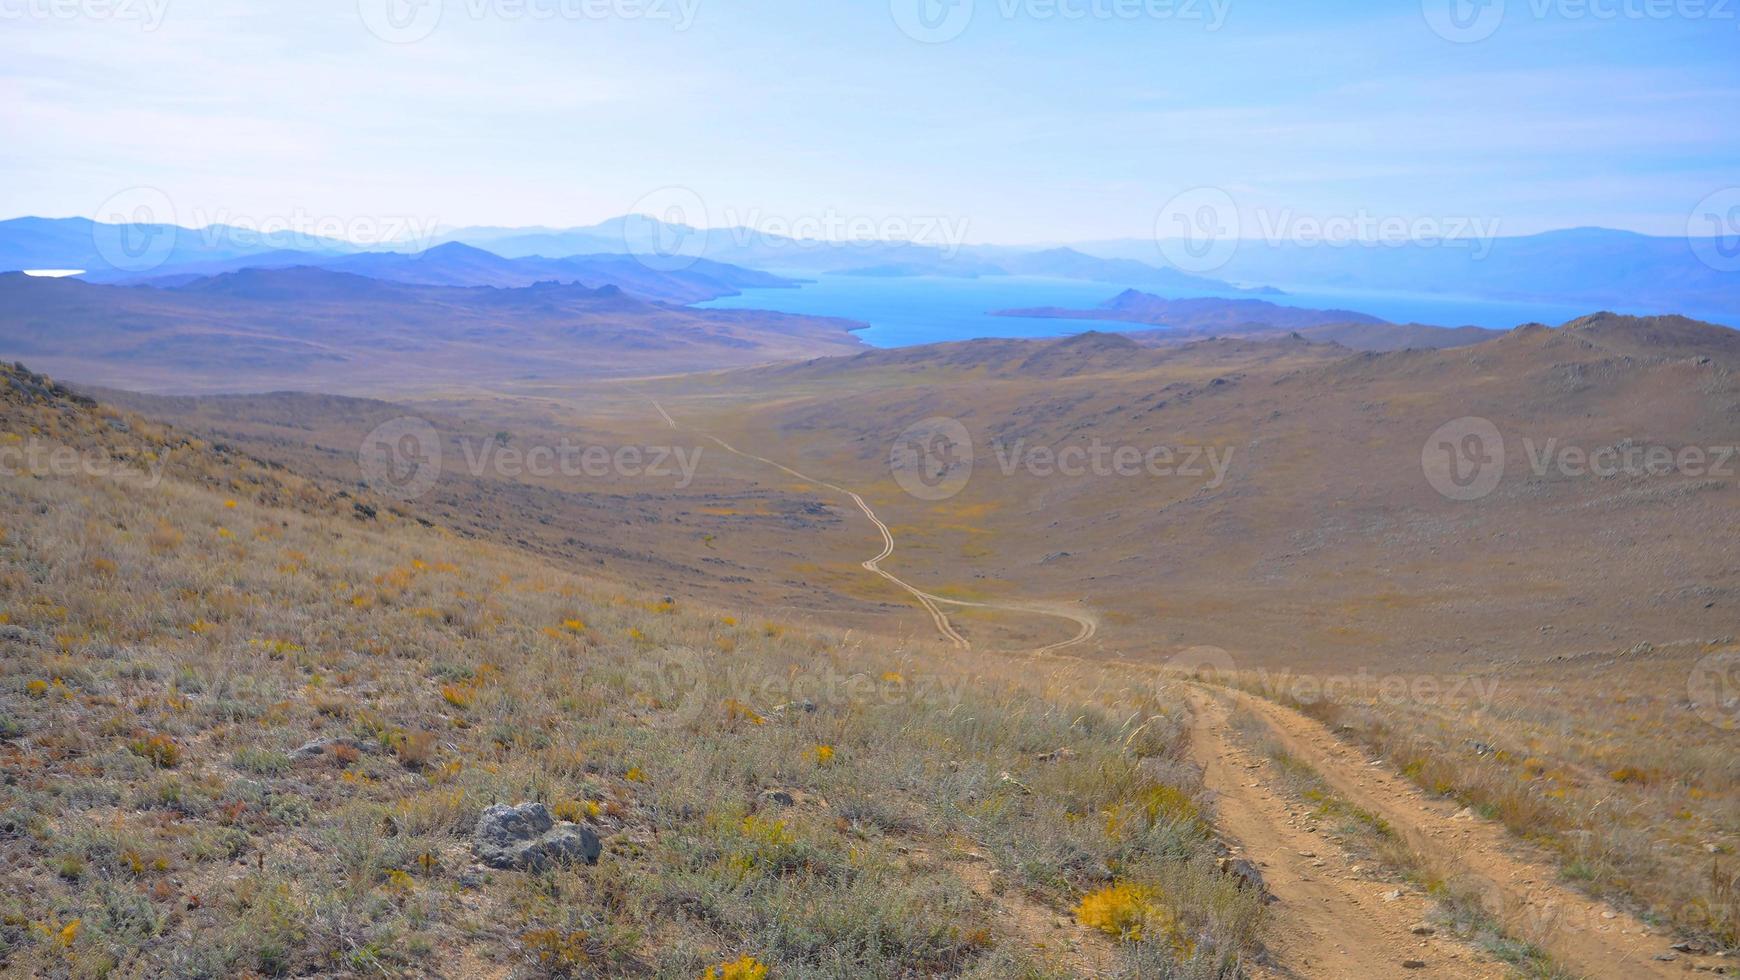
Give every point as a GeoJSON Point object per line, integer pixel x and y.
{"type": "Point", "coordinates": [910, 310]}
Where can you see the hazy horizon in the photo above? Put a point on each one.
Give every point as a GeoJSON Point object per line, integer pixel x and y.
{"type": "Point", "coordinates": [1030, 122]}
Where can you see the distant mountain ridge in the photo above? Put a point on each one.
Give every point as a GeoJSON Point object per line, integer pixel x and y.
{"type": "Point", "coordinates": [1581, 267]}
{"type": "Point", "coordinates": [456, 264]}
{"type": "Point", "coordinates": [1181, 320]}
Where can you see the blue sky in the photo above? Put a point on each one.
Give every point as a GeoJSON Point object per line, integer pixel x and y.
{"type": "Point", "coordinates": [1024, 125]}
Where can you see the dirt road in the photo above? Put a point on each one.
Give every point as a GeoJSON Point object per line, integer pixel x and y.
{"type": "Point", "coordinates": [1333, 926]}
{"type": "Point", "coordinates": [931, 603]}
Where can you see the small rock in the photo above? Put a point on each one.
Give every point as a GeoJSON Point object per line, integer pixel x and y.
{"type": "Point", "coordinates": [776, 797]}
{"type": "Point", "coordinates": [1055, 754]}
{"type": "Point", "coordinates": [1424, 930]}
{"type": "Point", "coordinates": [1246, 874]}
{"type": "Point", "coordinates": [17, 634]}
{"type": "Point", "coordinates": [322, 746]}
{"type": "Point", "coordinates": [807, 706]}
{"type": "Point", "coordinates": [1667, 957]}
{"type": "Point", "coordinates": [526, 837]}
{"type": "Point", "coordinates": [1413, 964]}
{"type": "Point", "coordinates": [1393, 895]}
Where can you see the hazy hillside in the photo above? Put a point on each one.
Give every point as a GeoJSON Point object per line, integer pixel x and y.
{"type": "Point", "coordinates": [110, 251]}
{"type": "Point", "coordinates": [454, 264]}
{"type": "Point", "coordinates": [1324, 504]}
{"type": "Point", "coordinates": [316, 329]}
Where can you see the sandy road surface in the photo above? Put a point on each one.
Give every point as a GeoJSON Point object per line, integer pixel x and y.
{"type": "Point", "coordinates": [1334, 923]}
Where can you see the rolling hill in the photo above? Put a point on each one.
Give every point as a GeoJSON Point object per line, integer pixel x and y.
{"type": "Point", "coordinates": [316, 329]}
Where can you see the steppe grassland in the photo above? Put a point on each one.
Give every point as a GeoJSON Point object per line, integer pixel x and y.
{"type": "Point", "coordinates": [168, 648]}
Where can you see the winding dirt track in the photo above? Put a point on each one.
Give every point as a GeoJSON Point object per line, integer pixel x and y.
{"type": "Point", "coordinates": [1332, 923]}
{"type": "Point", "coordinates": [1336, 927]}
{"type": "Point", "coordinates": [1086, 625]}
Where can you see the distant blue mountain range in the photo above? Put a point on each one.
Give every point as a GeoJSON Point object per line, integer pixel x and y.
{"type": "Point", "coordinates": [1591, 267]}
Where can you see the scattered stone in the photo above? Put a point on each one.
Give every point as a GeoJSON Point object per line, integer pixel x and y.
{"type": "Point", "coordinates": [1424, 930]}
{"type": "Point", "coordinates": [1393, 895]}
{"type": "Point", "coordinates": [776, 797]}
{"type": "Point", "coordinates": [322, 746]}
{"type": "Point", "coordinates": [1246, 874]}
{"type": "Point", "coordinates": [1055, 754]}
{"type": "Point", "coordinates": [1692, 949]}
{"type": "Point", "coordinates": [1413, 964]}
{"type": "Point", "coordinates": [525, 837]}
{"type": "Point", "coordinates": [1667, 957]}
{"type": "Point", "coordinates": [806, 706]}
{"type": "Point", "coordinates": [17, 634]}
{"type": "Point", "coordinates": [1481, 748]}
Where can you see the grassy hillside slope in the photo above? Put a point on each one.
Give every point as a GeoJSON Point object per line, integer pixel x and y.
{"type": "Point", "coordinates": [248, 724]}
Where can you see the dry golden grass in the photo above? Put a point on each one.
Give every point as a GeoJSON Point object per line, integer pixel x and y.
{"type": "Point", "coordinates": [1604, 760]}
{"type": "Point", "coordinates": [157, 818]}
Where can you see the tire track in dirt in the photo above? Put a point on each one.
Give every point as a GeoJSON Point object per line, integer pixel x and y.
{"type": "Point", "coordinates": [1583, 935]}
{"type": "Point", "coordinates": [1327, 923]}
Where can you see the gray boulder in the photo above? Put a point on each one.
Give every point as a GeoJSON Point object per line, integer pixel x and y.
{"type": "Point", "coordinates": [526, 837]}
